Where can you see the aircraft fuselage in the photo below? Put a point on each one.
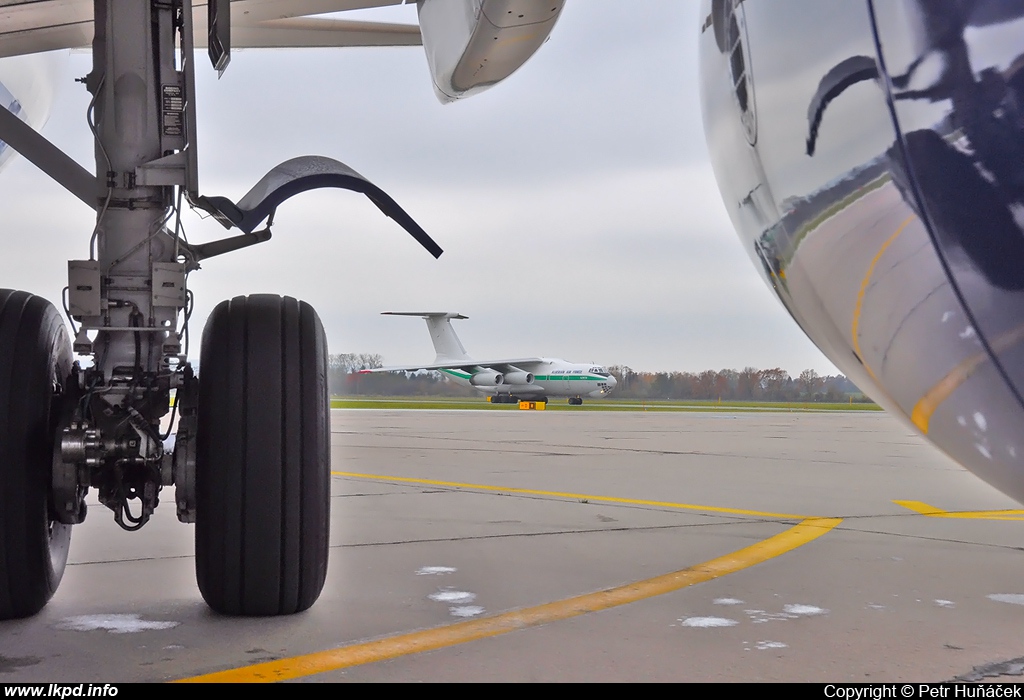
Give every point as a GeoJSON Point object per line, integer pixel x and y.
{"type": "Point", "coordinates": [552, 378]}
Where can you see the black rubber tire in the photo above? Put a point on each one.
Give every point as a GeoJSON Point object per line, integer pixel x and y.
{"type": "Point", "coordinates": [35, 362]}
{"type": "Point", "coordinates": [262, 457]}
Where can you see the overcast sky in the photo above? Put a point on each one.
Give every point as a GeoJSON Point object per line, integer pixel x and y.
{"type": "Point", "coordinates": [575, 201]}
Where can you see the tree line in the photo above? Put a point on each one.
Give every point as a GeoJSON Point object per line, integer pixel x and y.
{"type": "Point", "coordinates": [748, 384]}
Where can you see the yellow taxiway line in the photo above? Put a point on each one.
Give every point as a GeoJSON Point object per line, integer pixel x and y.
{"type": "Point", "coordinates": [855, 326]}
{"type": "Point", "coordinates": [426, 640]}
{"type": "Point", "coordinates": [933, 512]}
{"type": "Point", "coordinates": [576, 496]}
{"type": "Point", "coordinates": [934, 397]}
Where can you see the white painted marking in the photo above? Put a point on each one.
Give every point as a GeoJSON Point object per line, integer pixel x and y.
{"type": "Point", "coordinates": [453, 597]}
{"type": "Point", "coordinates": [979, 420]}
{"type": "Point", "coordinates": [708, 622]}
{"type": "Point", "coordinates": [766, 644]}
{"type": "Point", "coordinates": [435, 570]}
{"type": "Point", "coordinates": [113, 623]}
{"type": "Point", "coordinates": [768, 617]}
{"type": "Point", "coordinates": [1015, 598]}
{"type": "Point", "coordinates": [727, 601]}
{"type": "Point", "coordinates": [798, 609]}
{"type": "Point", "coordinates": [875, 606]}
{"type": "Point", "coordinates": [466, 610]}
{"type": "Point", "coordinates": [945, 603]}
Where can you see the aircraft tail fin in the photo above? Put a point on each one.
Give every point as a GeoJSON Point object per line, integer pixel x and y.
{"type": "Point", "coordinates": [446, 343]}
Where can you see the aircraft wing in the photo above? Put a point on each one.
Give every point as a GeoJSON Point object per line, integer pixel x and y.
{"type": "Point", "coordinates": [470, 45]}
{"type": "Point", "coordinates": [522, 363]}
{"type": "Point", "coordinates": [33, 26]}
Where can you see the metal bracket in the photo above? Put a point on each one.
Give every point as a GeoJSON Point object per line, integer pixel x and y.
{"type": "Point", "coordinates": [227, 245]}
{"type": "Point", "coordinates": [184, 459]}
{"type": "Point", "coordinates": [301, 175]}
{"type": "Point", "coordinates": [169, 170]}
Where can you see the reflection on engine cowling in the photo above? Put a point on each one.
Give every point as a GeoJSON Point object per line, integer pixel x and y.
{"type": "Point", "coordinates": [871, 157]}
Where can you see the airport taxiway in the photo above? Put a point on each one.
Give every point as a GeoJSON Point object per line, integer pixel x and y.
{"type": "Point", "coordinates": [582, 546]}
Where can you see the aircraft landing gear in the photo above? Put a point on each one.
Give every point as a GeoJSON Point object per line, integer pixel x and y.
{"type": "Point", "coordinates": [262, 457]}
{"type": "Point", "coordinates": [251, 457]}
{"type": "Point", "coordinates": [35, 363]}
{"type": "Point", "coordinates": [575, 401]}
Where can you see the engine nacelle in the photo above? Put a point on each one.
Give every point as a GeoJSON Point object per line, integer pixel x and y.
{"type": "Point", "coordinates": [487, 378]}
{"type": "Point", "coordinates": [473, 44]}
{"type": "Point", "coordinates": [519, 377]}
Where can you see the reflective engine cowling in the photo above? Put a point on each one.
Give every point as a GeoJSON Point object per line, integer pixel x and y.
{"type": "Point", "coordinates": [871, 158]}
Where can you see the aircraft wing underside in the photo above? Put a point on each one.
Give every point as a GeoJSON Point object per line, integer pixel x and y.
{"type": "Point", "coordinates": [522, 363]}
{"type": "Point", "coordinates": [33, 26]}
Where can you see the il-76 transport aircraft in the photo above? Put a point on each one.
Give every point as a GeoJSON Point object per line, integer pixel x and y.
{"type": "Point", "coordinates": [506, 381]}
{"type": "Point", "coordinates": [870, 155]}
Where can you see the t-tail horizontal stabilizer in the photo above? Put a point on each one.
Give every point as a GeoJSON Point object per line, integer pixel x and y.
{"type": "Point", "coordinates": [446, 343]}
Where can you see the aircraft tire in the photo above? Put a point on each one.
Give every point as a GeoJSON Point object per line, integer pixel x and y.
{"type": "Point", "coordinates": [262, 457]}
{"type": "Point", "coordinates": [35, 361]}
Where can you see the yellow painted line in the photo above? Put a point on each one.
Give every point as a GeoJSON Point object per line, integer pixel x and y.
{"type": "Point", "coordinates": [855, 329]}
{"type": "Point", "coordinates": [462, 632]}
{"type": "Point", "coordinates": [933, 512]}
{"type": "Point", "coordinates": [575, 496]}
{"type": "Point", "coordinates": [922, 413]}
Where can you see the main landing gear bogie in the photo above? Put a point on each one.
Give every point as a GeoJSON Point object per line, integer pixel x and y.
{"type": "Point", "coordinates": [251, 462]}
{"type": "Point", "coordinates": [507, 398]}
{"type": "Point", "coordinates": [575, 401]}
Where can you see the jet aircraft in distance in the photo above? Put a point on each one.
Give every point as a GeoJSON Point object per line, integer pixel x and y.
{"type": "Point", "coordinates": [506, 381]}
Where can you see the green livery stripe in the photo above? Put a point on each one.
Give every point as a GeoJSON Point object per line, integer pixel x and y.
{"type": "Point", "coordinates": [540, 378]}
{"type": "Point", "coordinates": [457, 373]}
{"type": "Point", "coordinates": [576, 377]}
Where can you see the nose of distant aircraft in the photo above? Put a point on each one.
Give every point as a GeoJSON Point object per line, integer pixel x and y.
{"type": "Point", "coordinates": [610, 384]}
